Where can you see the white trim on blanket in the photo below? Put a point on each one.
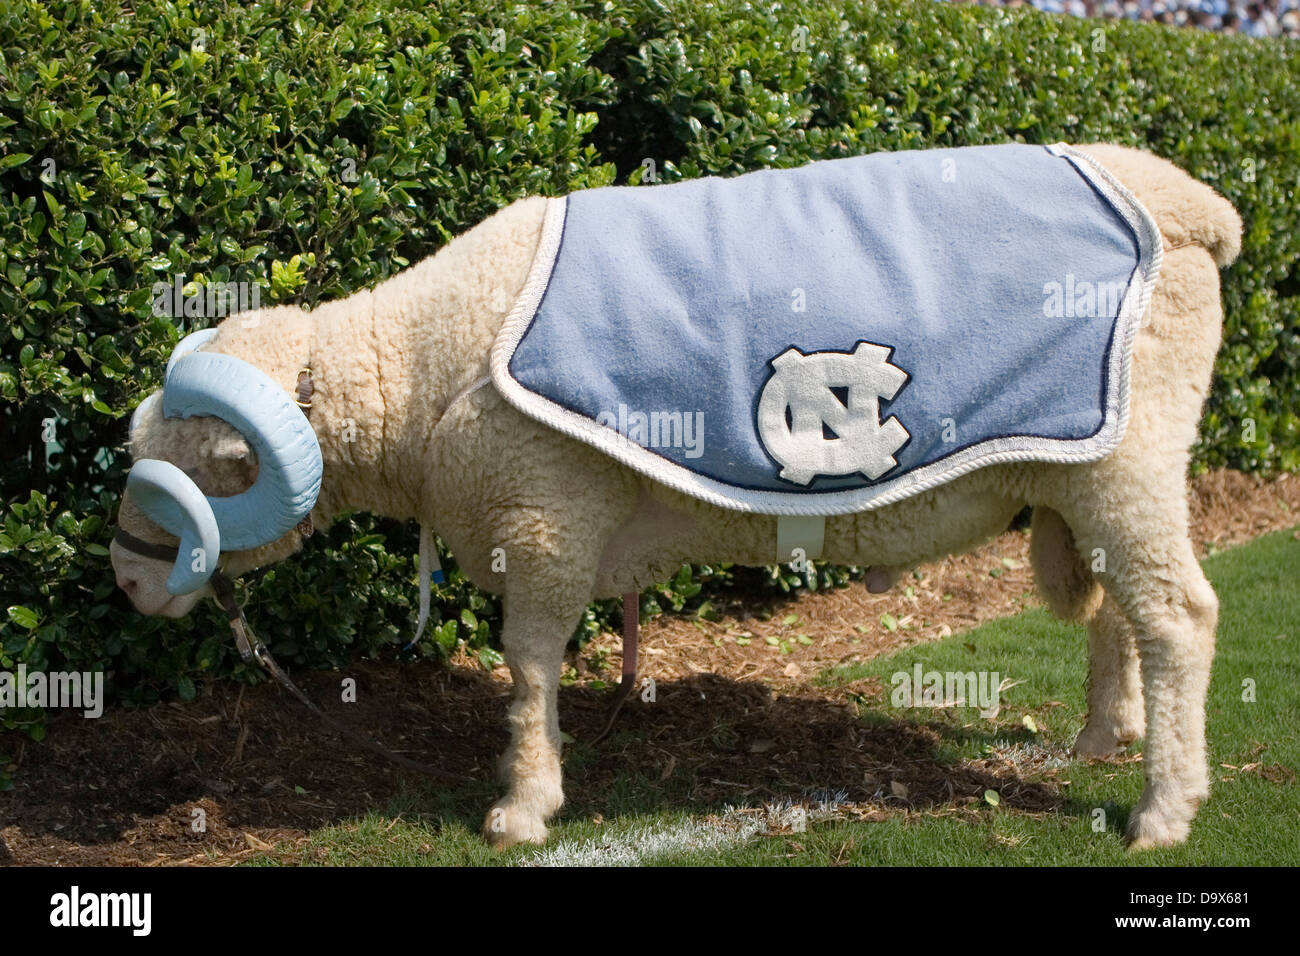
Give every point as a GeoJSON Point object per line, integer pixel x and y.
{"type": "Point", "coordinates": [993, 451]}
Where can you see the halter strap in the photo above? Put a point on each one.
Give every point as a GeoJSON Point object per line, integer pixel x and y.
{"type": "Point", "coordinates": [148, 549]}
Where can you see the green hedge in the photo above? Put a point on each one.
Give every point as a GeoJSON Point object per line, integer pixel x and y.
{"type": "Point", "coordinates": [317, 152]}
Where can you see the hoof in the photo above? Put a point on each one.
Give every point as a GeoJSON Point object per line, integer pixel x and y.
{"type": "Point", "coordinates": [506, 825]}
{"type": "Point", "coordinates": [1147, 835]}
{"type": "Point", "coordinates": [1164, 823]}
{"type": "Point", "coordinates": [1099, 743]}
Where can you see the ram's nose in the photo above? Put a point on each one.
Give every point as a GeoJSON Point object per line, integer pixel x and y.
{"type": "Point", "coordinates": [127, 583]}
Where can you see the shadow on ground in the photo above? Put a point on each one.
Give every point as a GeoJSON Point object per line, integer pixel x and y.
{"type": "Point", "coordinates": [125, 789]}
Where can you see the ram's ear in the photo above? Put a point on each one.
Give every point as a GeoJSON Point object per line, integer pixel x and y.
{"type": "Point", "coordinates": [229, 462]}
{"type": "Point", "coordinates": [232, 450]}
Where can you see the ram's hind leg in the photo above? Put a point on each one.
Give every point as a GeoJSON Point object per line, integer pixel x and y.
{"type": "Point", "coordinates": [1153, 578]}
{"type": "Point", "coordinates": [1175, 624]}
{"type": "Point", "coordinates": [1068, 583]}
{"type": "Point", "coordinates": [1115, 715]}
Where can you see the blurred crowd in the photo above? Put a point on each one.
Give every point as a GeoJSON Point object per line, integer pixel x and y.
{"type": "Point", "coordinates": [1257, 18]}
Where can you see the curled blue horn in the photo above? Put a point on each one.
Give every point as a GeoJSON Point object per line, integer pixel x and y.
{"type": "Point", "coordinates": [186, 346]}
{"type": "Point", "coordinates": [289, 464]}
{"type": "Point", "coordinates": [168, 496]}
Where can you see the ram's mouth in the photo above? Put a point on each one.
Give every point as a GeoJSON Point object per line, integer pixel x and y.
{"type": "Point", "coordinates": [165, 609]}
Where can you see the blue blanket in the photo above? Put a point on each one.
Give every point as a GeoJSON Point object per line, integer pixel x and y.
{"type": "Point", "coordinates": [836, 337]}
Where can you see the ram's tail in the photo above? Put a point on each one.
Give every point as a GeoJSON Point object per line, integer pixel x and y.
{"type": "Point", "coordinates": [1187, 211]}
{"type": "Point", "coordinates": [1063, 576]}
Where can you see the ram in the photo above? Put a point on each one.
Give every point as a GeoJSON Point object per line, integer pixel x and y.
{"type": "Point", "coordinates": [876, 360]}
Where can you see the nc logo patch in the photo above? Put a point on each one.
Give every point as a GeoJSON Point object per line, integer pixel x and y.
{"type": "Point", "coordinates": [819, 413]}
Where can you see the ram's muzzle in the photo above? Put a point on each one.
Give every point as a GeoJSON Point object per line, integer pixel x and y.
{"type": "Point", "coordinates": [288, 459]}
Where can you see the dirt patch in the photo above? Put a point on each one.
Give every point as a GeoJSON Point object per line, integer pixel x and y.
{"type": "Point", "coordinates": [737, 716]}
{"type": "Point", "coordinates": [124, 789]}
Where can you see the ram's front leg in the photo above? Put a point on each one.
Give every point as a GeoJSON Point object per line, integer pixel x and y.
{"type": "Point", "coordinates": [536, 630]}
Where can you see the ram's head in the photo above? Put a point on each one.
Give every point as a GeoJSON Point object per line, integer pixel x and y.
{"type": "Point", "coordinates": [226, 467]}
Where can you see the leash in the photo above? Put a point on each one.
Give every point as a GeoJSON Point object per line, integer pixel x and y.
{"type": "Point", "coordinates": [251, 648]}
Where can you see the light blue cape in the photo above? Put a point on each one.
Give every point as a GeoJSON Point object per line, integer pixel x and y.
{"type": "Point", "coordinates": [839, 336]}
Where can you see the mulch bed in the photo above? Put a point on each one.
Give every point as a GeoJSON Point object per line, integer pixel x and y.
{"type": "Point", "coordinates": [735, 720]}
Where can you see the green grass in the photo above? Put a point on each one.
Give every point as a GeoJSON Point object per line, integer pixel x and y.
{"type": "Point", "coordinates": [1249, 818]}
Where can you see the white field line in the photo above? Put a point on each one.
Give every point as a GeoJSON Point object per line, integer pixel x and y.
{"type": "Point", "coordinates": [640, 845]}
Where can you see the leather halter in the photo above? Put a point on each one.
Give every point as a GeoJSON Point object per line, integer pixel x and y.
{"type": "Point", "coordinates": [148, 549]}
